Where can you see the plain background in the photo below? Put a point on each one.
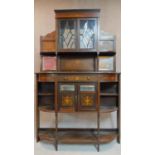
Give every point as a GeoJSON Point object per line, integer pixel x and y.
{"type": "Point", "coordinates": [17, 77]}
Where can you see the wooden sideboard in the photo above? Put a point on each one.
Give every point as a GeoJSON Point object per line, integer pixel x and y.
{"type": "Point", "coordinates": [78, 74]}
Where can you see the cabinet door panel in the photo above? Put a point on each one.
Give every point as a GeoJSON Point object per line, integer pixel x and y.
{"type": "Point", "coordinates": [67, 97]}
{"type": "Point", "coordinates": [67, 34]}
{"type": "Point", "coordinates": [88, 33]}
{"type": "Point", "coordinates": [87, 101]}
{"type": "Point", "coordinates": [67, 100]}
{"type": "Point", "coordinates": [87, 96]}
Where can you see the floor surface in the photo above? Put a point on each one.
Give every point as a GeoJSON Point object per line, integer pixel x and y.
{"type": "Point", "coordinates": [112, 148]}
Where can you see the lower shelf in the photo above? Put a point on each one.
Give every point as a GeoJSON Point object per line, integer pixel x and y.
{"type": "Point", "coordinates": [103, 109]}
{"type": "Point", "coordinates": [107, 109]}
{"type": "Point", "coordinates": [46, 108]}
{"type": "Point", "coordinates": [77, 136]}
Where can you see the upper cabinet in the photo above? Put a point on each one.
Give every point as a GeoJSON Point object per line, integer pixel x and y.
{"type": "Point", "coordinates": [77, 30]}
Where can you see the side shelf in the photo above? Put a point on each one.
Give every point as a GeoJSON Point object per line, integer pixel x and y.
{"type": "Point", "coordinates": [109, 96]}
{"type": "Point", "coordinates": [77, 136]}
{"type": "Point", "coordinates": [108, 109]}
{"type": "Point", "coordinates": [46, 96]}
{"type": "Point", "coordinates": [48, 43]}
{"type": "Point", "coordinates": [46, 108]}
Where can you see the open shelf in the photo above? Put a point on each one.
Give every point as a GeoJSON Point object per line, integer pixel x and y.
{"type": "Point", "coordinates": [46, 99]}
{"type": "Point", "coordinates": [77, 136]}
{"type": "Point", "coordinates": [109, 97]}
{"type": "Point", "coordinates": [108, 94]}
{"type": "Point", "coordinates": [103, 109]}
{"type": "Point", "coordinates": [45, 87]}
{"type": "Point", "coordinates": [108, 101]}
{"type": "Point", "coordinates": [109, 88]}
{"type": "Point", "coordinates": [46, 108]}
{"type": "Point", "coordinates": [77, 53]}
{"type": "Point", "coordinates": [45, 94]}
{"type": "Point", "coordinates": [49, 53]}
{"type": "Point", "coordinates": [107, 53]}
{"type": "Point", "coordinates": [107, 109]}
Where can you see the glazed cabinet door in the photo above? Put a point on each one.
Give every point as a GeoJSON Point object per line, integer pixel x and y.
{"type": "Point", "coordinates": [87, 96]}
{"type": "Point", "coordinates": [77, 35]}
{"type": "Point", "coordinates": [67, 98]}
{"type": "Point", "coordinates": [67, 38]}
{"type": "Point", "coordinates": [87, 34]}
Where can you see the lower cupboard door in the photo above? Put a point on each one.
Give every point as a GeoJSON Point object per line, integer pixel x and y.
{"type": "Point", "coordinates": [87, 93]}
{"type": "Point", "coordinates": [67, 97]}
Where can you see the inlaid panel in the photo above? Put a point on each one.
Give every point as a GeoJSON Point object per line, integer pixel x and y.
{"type": "Point", "coordinates": [87, 96]}
{"type": "Point", "coordinates": [87, 101]}
{"type": "Point", "coordinates": [113, 77]}
{"type": "Point", "coordinates": [78, 78]}
{"type": "Point", "coordinates": [67, 100]}
{"type": "Point", "coordinates": [67, 96]}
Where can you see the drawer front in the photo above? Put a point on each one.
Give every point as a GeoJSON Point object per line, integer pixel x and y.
{"type": "Point", "coordinates": [108, 77]}
{"type": "Point", "coordinates": [77, 78]}
{"type": "Point", "coordinates": [46, 77]}
{"type": "Point", "coordinates": [52, 77]}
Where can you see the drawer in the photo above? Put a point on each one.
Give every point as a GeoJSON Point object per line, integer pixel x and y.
{"type": "Point", "coordinates": [77, 78]}
{"type": "Point", "coordinates": [108, 77]}
{"type": "Point", "coordinates": [46, 77]}
{"type": "Point", "coordinates": [101, 77]}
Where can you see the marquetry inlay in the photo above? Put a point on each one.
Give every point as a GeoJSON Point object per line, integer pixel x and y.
{"type": "Point", "coordinates": [67, 101]}
{"type": "Point", "coordinates": [87, 101]}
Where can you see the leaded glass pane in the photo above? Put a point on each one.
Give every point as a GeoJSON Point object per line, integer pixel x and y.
{"type": "Point", "coordinates": [67, 34]}
{"type": "Point", "coordinates": [87, 33]}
